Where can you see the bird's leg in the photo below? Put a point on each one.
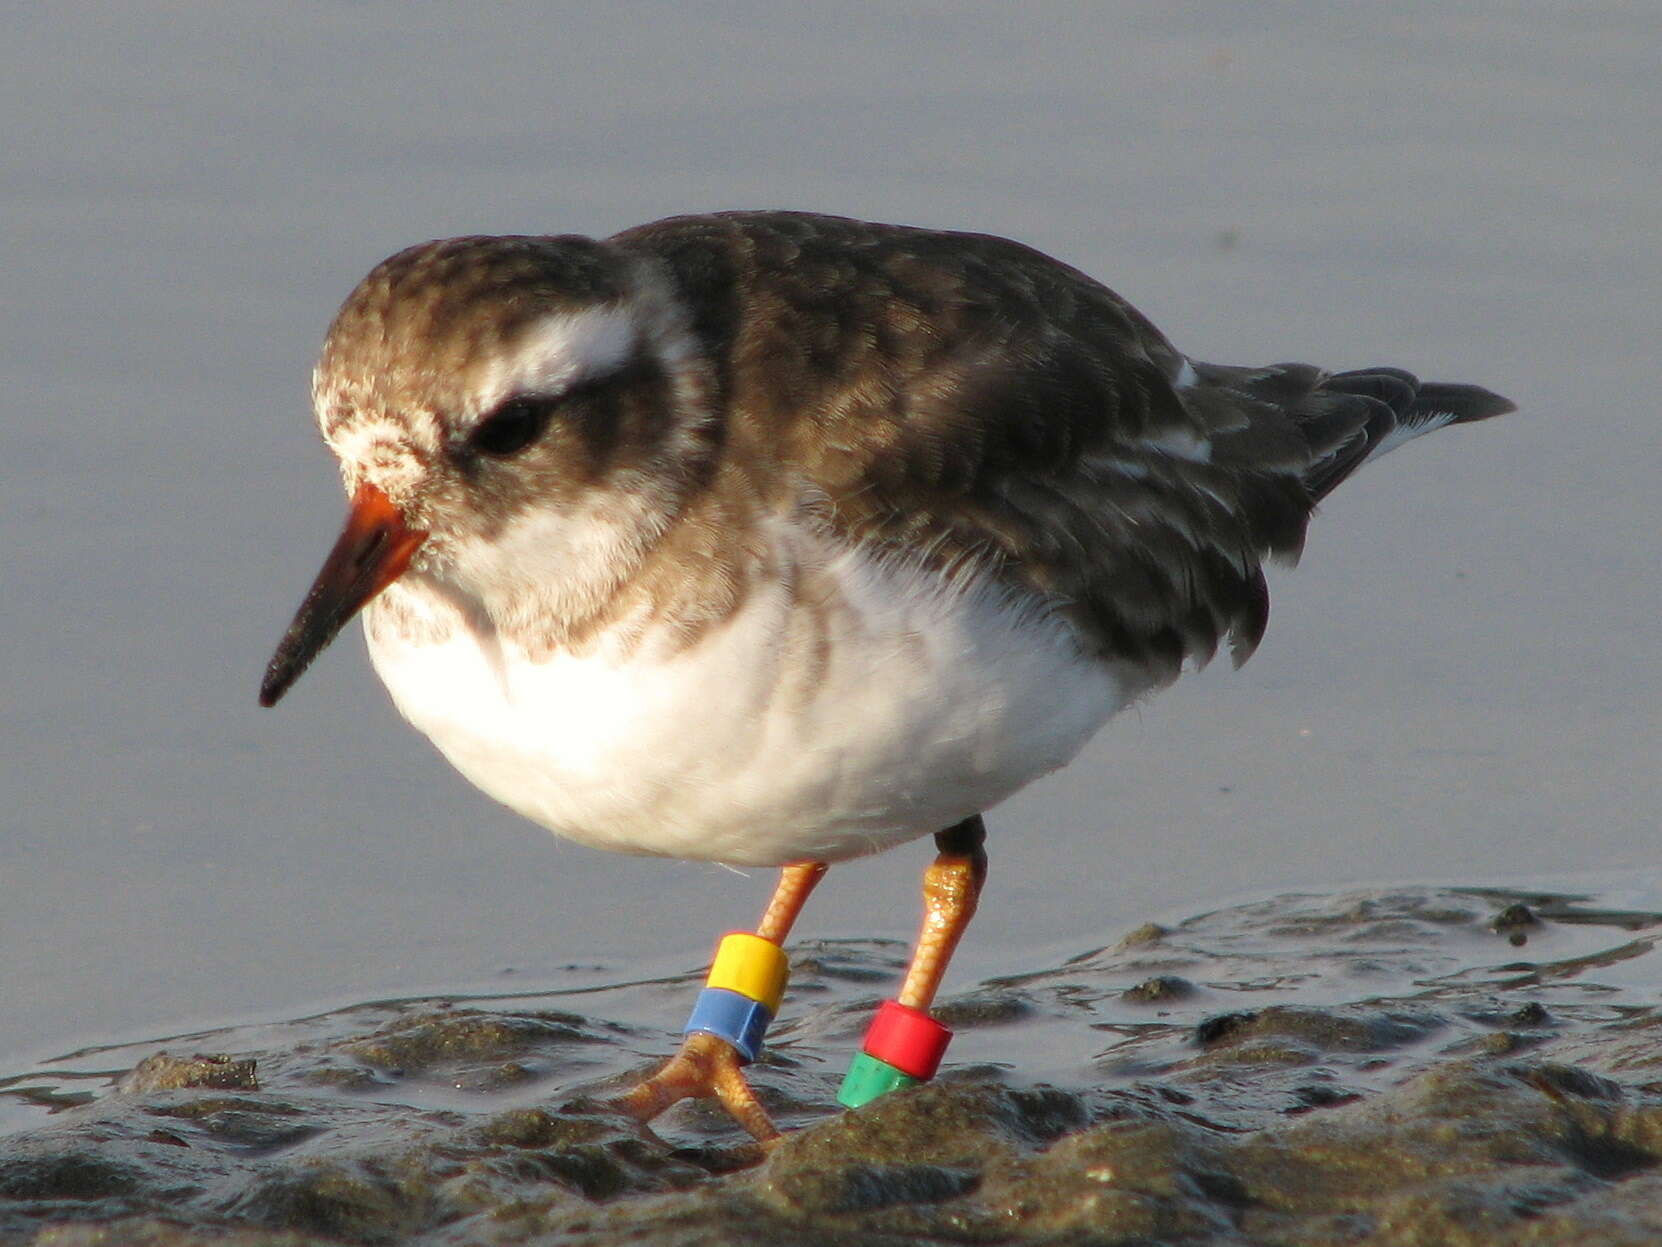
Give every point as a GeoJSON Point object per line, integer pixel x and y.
{"type": "Point", "coordinates": [789, 896]}
{"type": "Point", "coordinates": [951, 888]}
{"type": "Point", "coordinates": [742, 995]}
{"type": "Point", "coordinates": [904, 1045]}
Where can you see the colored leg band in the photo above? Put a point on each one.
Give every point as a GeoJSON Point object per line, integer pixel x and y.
{"type": "Point", "coordinates": [727, 1015]}
{"type": "Point", "coordinates": [903, 1047]}
{"type": "Point", "coordinates": [751, 966]}
{"type": "Point", "coordinates": [868, 1078]}
{"type": "Point", "coordinates": [908, 1039]}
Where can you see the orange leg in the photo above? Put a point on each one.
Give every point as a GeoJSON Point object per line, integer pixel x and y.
{"type": "Point", "coordinates": [904, 1044]}
{"type": "Point", "coordinates": [951, 888]}
{"type": "Point", "coordinates": [795, 884]}
{"type": "Point", "coordinates": [707, 1065]}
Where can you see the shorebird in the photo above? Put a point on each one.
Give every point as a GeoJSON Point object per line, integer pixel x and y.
{"type": "Point", "coordinates": [778, 539]}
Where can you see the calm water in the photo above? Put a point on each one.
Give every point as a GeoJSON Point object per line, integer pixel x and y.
{"type": "Point", "coordinates": [1461, 683]}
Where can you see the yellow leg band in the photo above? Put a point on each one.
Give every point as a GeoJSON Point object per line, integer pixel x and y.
{"type": "Point", "coordinates": [751, 966]}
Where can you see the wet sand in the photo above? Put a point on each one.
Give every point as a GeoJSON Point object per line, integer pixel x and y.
{"type": "Point", "coordinates": [1392, 1067]}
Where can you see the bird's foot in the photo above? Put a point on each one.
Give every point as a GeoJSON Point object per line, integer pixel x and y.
{"type": "Point", "coordinates": [705, 1067]}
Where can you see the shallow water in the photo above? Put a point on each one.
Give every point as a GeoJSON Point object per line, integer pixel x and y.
{"type": "Point", "coordinates": [1415, 1065]}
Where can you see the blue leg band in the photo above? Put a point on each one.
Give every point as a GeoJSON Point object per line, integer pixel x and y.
{"type": "Point", "coordinates": [727, 1015]}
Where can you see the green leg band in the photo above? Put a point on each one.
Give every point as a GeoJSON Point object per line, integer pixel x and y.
{"type": "Point", "coordinates": [868, 1078]}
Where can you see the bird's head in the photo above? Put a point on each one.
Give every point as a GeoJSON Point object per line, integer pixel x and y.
{"type": "Point", "coordinates": [516, 417]}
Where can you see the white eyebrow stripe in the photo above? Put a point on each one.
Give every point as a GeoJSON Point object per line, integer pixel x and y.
{"type": "Point", "coordinates": [561, 350]}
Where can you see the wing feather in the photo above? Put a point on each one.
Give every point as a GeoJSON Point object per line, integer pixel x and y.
{"type": "Point", "coordinates": [971, 401]}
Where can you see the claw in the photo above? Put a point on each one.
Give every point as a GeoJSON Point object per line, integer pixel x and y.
{"type": "Point", "coordinates": [708, 1065]}
{"type": "Point", "coordinates": [705, 1066]}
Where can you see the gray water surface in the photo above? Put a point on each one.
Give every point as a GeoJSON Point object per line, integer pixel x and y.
{"type": "Point", "coordinates": [1461, 682]}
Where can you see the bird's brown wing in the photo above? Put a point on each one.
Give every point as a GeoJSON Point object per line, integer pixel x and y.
{"type": "Point", "coordinates": [970, 402]}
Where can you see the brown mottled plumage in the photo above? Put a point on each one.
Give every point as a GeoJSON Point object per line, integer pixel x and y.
{"type": "Point", "coordinates": [960, 399]}
{"type": "Point", "coordinates": [781, 538]}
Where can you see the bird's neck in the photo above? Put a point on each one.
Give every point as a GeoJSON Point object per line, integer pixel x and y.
{"type": "Point", "coordinates": [606, 572]}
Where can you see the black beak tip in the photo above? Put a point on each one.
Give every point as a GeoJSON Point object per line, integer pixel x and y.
{"type": "Point", "coordinates": [279, 678]}
{"type": "Point", "coordinates": [272, 689]}
{"type": "Point", "coordinates": [371, 552]}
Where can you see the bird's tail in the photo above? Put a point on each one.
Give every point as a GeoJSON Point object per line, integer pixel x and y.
{"type": "Point", "coordinates": [1348, 418]}
{"type": "Point", "coordinates": [1394, 407]}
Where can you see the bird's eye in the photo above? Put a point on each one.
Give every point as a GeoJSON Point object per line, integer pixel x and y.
{"type": "Point", "coordinates": [511, 427]}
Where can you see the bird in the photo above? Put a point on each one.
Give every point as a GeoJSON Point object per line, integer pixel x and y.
{"type": "Point", "coordinates": [778, 539]}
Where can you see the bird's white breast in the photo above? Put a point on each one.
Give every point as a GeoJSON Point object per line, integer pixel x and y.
{"type": "Point", "coordinates": [841, 710]}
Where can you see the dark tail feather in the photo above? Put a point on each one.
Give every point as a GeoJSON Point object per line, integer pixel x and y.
{"type": "Point", "coordinates": [1467, 402]}
{"type": "Point", "coordinates": [1386, 407]}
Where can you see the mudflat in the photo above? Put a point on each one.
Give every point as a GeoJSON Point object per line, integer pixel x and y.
{"type": "Point", "coordinates": [1403, 1066]}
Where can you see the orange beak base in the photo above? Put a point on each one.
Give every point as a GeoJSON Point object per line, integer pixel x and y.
{"type": "Point", "coordinates": [373, 550]}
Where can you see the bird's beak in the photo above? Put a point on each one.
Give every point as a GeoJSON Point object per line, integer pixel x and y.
{"type": "Point", "coordinates": [373, 550]}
